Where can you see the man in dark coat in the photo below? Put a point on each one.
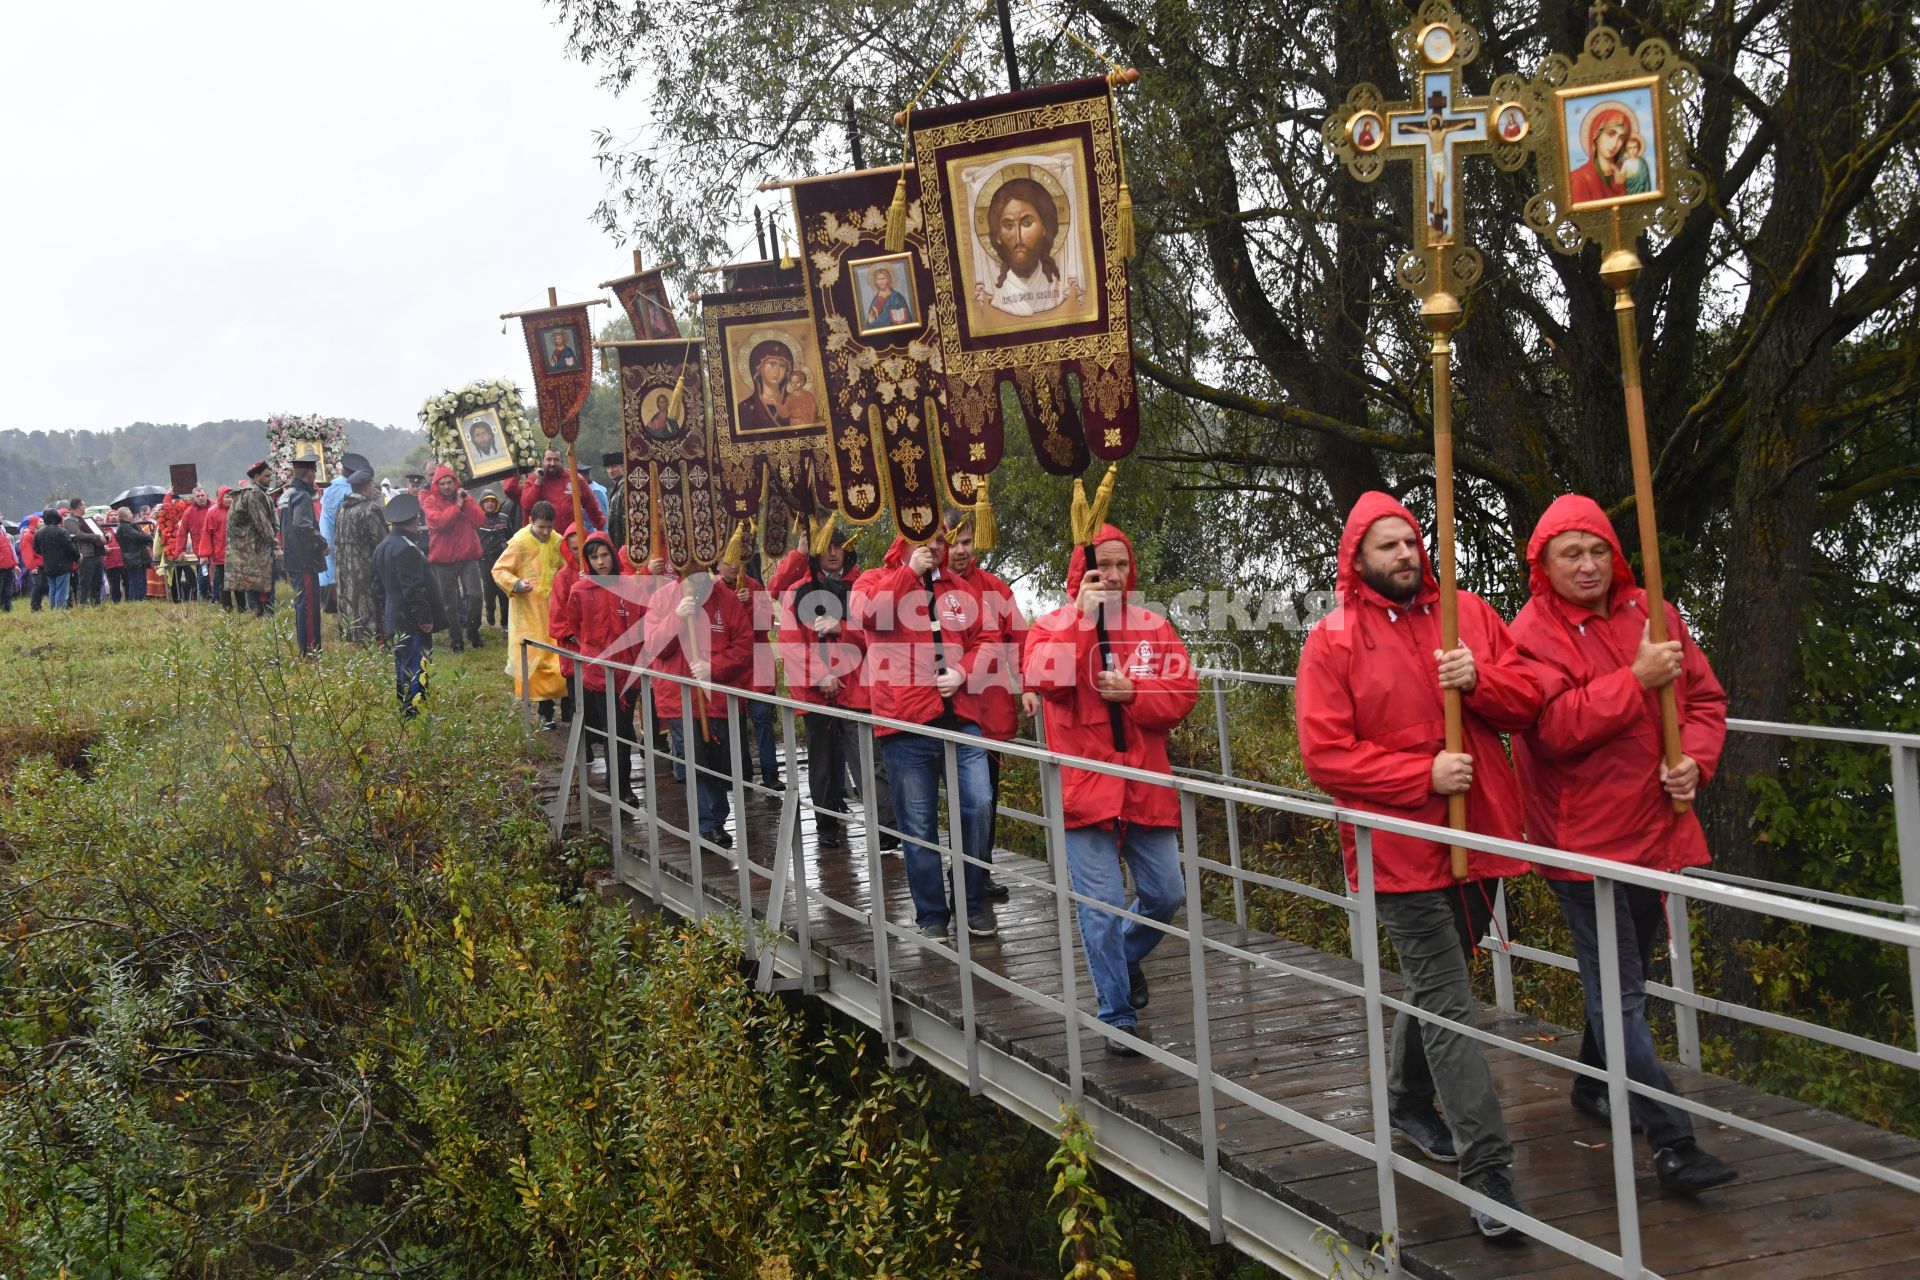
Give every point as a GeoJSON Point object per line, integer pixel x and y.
{"type": "Point", "coordinates": [58, 556]}
{"type": "Point", "coordinates": [136, 553]}
{"type": "Point", "coordinates": [412, 609]}
{"type": "Point", "coordinates": [89, 573]}
{"type": "Point", "coordinates": [305, 552]}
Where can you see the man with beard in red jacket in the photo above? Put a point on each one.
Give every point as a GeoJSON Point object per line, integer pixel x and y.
{"type": "Point", "coordinates": [1109, 819]}
{"type": "Point", "coordinates": [453, 549]}
{"type": "Point", "coordinates": [1372, 729]}
{"type": "Point", "coordinates": [551, 483]}
{"type": "Point", "coordinates": [1596, 782]}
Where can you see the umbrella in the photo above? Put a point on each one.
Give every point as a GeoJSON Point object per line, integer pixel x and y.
{"type": "Point", "coordinates": [140, 493]}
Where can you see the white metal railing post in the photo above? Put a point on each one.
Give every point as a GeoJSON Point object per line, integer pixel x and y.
{"type": "Point", "coordinates": [962, 913]}
{"type": "Point", "coordinates": [616, 774]}
{"type": "Point", "coordinates": [1367, 943]}
{"type": "Point", "coordinates": [796, 853]}
{"type": "Point", "coordinates": [1233, 810]}
{"type": "Point", "coordinates": [648, 764]}
{"type": "Point", "coordinates": [1502, 962]}
{"type": "Point", "coordinates": [1618, 1098]}
{"type": "Point", "coordinates": [696, 841]}
{"type": "Point", "coordinates": [1054, 806]}
{"type": "Point", "coordinates": [1202, 1023]}
{"type": "Point", "coordinates": [737, 785]}
{"type": "Point", "coordinates": [576, 736]}
{"type": "Point", "coordinates": [1906, 833]}
{"type": "Point", "coordinates": [1686, 1019]}
{"type": "Point", "coordinates": [526, 690]}
{"type": "Point", "coordinates": [876, 878]}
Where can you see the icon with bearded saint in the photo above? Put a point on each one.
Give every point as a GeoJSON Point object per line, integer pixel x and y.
{"type": "Point", "coordinates": [1029, 262]}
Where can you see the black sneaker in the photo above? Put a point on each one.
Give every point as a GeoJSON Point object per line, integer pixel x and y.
{"type": "Point", "coordinates": [1684, 1168]}
{"type": "Point", "coordinates": [719, 837]}
{"type": "Point", "coordinates": [981, 924]}
{"type": "Point", "coordinates": [1136, 986]}
{"type": "Point", "coordinates": [995, 891]}
{"type": "Point", "coordinates": [1421, 1125]}
{"type": "Point", "coordinates": [1115, 1049]}
{"type": "Point", "coordinates": [1497, 1187]}
{"type": "Point", "coordinates": [1600, 1107]}
{"type": "Point", "coordinates": [938, 932]}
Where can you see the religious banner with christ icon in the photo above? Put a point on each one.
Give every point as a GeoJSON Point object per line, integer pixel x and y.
{"type": "Point", "coordinates": [879, 339]}
{"type": "Point", "coordinates": [1021, 197]}
{"type": "Point", "coordinates": [1434, 131]}
{"type": "Point", "coordinates": [668, 450]}
{"type": "Point", "coordinates": [560, 344]}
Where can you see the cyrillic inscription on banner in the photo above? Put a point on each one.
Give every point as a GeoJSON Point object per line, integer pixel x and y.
{"type": "Point", "coordinates": [675, 450]}
{"type": "Point", "coordinates": [560, 344]}
{"type": "Point", "coordinates": [874, 318]}
{"type": "Point", "coordinates": [1021, 196]}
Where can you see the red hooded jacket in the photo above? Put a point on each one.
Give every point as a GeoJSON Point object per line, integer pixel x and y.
{"type": "Point", "coordinates": [805, 657]}
{"type": "Point", "coordinates": [194, 525]}
{"type": "Point", "coordinates": [7, 562]}
{"type": "Point", "coordinates": [453, 527]}
{"type": "Point", "coordinates": [1060, 661]}
{"type": "Point", "coordinates": [891, 605]}
{"type": "Point", "coordinates": [29, 554]}
{"type": "Point", "coordinates": [558, 491]}
{"type": "Point", "coordinates": [722, 630]}
{"type": "Point", "coordinates": [990, 697]}
{"type": "Point", "coordinates": [1370, 715]}
{"type": "Point", "coordinates": [605, 617]}
{"type": "Point", "coordinates": [217, 526]}
{"type": "Point", "coordinates": [1590, 767]}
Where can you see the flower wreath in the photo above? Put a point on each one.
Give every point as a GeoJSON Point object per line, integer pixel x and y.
{"type": "Point", "coordinates": [441, 415]}
{"type": "Point", "coordinates": [285, 428]}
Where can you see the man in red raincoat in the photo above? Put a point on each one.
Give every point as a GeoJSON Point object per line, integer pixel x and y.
{"type": "Point", "coordinates": [1372, 733]}
{"type": "Point", "coordinates": [1110, 819]}
{"type": "Point", "coordinates": [921, 627]}
{"type": "Point", "coordinates": [551, 483]}
{"type": "Point", "coordinates": [453, 549]}
{"type": "Point", "coordinates": [1596, 783]}
{"type": "Point", "coordinates": [700, 615]}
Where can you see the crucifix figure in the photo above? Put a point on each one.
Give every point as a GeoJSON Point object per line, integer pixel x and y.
{"type": "Point", "coordinates": [1435, 131]}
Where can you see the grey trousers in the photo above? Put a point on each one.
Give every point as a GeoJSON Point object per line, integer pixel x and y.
{"type": "Point", "coordinates": [1427, 929]}
{"type": "Point", "coordinates": [460, 592]}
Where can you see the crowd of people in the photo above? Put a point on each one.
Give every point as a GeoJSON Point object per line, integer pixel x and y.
{"type": "Point", "coordinates": [928, 637]}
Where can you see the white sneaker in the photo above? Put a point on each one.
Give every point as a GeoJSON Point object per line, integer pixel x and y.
{"type": "Point", "coordinates": [598, 769]}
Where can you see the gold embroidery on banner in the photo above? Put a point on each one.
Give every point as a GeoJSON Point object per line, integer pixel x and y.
{"type": "Point", "coordinates": [1106, 387]}
{"type": "Point", "coordinates": [907, 456]}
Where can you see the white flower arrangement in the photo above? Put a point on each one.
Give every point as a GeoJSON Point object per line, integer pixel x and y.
{"type": "Point", "coordinates": [284, 429]}
{"type": "Point", "coordinates": [441, 416]}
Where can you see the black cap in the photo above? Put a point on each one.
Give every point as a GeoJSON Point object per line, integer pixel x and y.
{"type": "Point", "coordinates": [402, 508]}
{"type": "Point", "coordinates": [309, 463]}
{"type": "Point", "coordinates": [352, 462]}
{"type": "Point", "coordinates": [613, 459]}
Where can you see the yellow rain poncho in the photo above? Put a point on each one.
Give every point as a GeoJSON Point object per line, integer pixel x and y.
{"type": "Point", "coordinates": [536, 560]}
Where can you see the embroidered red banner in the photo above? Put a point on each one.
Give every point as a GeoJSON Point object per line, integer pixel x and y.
{"type": "Point", "coordinates": [560, 344]}
{"type": "Point", "coordinates": [673, 449]}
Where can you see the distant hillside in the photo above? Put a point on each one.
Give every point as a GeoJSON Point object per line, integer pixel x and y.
{"type": "Point", "coordinates": [36, 466]}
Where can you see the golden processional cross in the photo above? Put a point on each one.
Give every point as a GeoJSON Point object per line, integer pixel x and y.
{"type": "Point", "coordinates": [1433, 131]}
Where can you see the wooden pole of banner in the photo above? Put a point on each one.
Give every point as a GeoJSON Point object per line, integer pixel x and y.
{"type": "Point", "coordinates": [1006, 47]}
{"type": "Point", "coordinates": [1126, 75]}
{"type": "Point", "coordinates": [853, 135]}
{"type": "Point", "coordinates": [1620, 268]}
{"type": "Point", "coordinates": [1441, 312]}
{"type": "Point", "coordinates": [573, 466]}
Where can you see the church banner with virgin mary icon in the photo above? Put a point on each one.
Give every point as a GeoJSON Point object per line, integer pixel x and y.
{"type": "Point", "coordinates": [766, 398]}
{"type": "Point", "coordinates": [1022, 194]}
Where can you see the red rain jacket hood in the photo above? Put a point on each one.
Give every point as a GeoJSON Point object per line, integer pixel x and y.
{"type": "Point", "coordinates": [605, 617]}
{"type": "Point", "coordinates": [722, 632]}
{"type": "Point", "coordinates": [1059, 662]}
{"type": "Point", "coordinates": [1590, 766]}
{"type": "Point", "coordinates": [1371, 720]}
{"type": "Point", "coordinates": [890, 605]}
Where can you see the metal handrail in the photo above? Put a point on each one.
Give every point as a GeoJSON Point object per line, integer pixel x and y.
{"type": "Point", "coordinates": [790, 876]}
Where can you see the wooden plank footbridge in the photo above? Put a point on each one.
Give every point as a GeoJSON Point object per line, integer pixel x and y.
{"type": "Point", "coordinates": [1258, 1109]}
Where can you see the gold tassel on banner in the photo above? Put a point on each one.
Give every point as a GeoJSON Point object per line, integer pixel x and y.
{"type": "Point", "coordinates": [1077, 514]}
{"type": "Point", "coordinates": [822, 536]}
{"type": "Point", "coordinates": [1124, 215]}
{"type": "Point", "coordinates": [677, 402]}
{"type": "Point", "coordinates": [897, 216]}
{"type": "Point", "coordinates": [986, 531]}
{"type": "Point", "coordinates": [1102, 500]}
{"type": "Point", "coordinates": [1123, 207]}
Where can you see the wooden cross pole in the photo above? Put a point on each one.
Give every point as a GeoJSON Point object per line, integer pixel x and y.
{"type": "Point", "coordinates": [1432, 131]}
{"type": "Point", "coordinates": [1607, 93]}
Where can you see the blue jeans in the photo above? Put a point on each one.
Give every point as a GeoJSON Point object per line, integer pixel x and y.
{"type": "Point", "coordinates": [1636, 922]}
{"type": "Point", "coordinates": [1114, 944]}
{"type": "Point", "coordinates": [761, 713]}
{"type": "Point", "coordinates": [713, 758]}
{"type": "Point", "coordinates": [915, 768]}
{"type": "Point", "coordinates": [60, 590]}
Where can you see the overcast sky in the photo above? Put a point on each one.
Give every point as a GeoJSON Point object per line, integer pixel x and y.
{"type": "Point", "coordinates": [228, 208]}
